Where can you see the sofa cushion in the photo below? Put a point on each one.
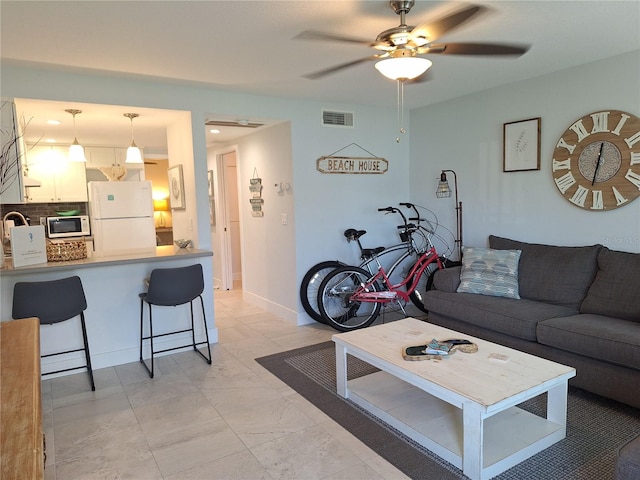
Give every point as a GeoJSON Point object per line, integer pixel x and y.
{"type": "Point", "coordinates": [486, 271]}
{"type": "Point", "coordinates": [604, 338]}
{"type": "Point", "coordinates": [616, 289]}
{"type": "Point", "coordinates": [517, 318]}
{"type": "Point", "coordinates": [556, 275]}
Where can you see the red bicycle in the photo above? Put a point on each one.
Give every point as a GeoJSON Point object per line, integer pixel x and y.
{"type": "Point", "coordinates": [351, 297]}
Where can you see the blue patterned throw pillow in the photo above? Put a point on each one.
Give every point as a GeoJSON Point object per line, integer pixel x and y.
{"type": "Point", "coordinates": [490, 272]}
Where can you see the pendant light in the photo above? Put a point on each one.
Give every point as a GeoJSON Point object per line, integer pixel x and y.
{"type": "Point", "coordinates": [76, 151]}
{"type": "Point", "coordinates": [133, 152]}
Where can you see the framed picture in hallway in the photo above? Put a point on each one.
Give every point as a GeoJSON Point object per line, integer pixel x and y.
{"type": "Point", "coordinates": [521, 148]}
{"type": "Point", "coordinates": [210, 180]}
{"type": "Point", "coordinates": [176, 187]}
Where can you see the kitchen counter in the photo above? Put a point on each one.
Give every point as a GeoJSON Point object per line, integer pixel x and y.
{"type": "Point", "coordinates": [164, 253]}
{"type": "Point", "coordinates": [112, 286]}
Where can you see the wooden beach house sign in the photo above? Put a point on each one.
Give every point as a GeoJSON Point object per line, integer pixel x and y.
{"type": "Point", "coordinates": [352, 165]}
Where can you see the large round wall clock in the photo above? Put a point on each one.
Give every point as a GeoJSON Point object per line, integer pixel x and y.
{"type": "Point", "coordinates": [596, 162]}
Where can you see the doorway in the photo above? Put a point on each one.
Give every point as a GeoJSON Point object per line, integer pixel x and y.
{"type": "Point", "coordinates": [229, 228]}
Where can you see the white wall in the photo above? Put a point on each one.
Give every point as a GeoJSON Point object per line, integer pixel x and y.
{"type": "Point", "coordinates": [268, 246]}
{"type": "Point", "coordinates": [180, 153]}
{"type": "Point", "coordinates": [465, 135]}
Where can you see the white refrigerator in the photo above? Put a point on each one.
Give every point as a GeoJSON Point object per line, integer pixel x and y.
{"type": "Point", "coordinates": [121, 216]}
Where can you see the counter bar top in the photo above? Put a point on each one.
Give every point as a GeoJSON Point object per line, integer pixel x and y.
{"type": "Point", "coordinates": [163, 253]}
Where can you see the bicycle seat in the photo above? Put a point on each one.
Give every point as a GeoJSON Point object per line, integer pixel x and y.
{"type": "Point", "coordinates": [353, 234]}
{"type": "Point", "coordinates": [370, 252]}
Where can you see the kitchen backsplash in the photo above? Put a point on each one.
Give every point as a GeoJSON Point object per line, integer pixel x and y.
{"type": "Point", "coordinates": [36, 210]}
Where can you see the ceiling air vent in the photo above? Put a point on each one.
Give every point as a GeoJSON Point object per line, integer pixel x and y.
{"type": "Point", "coordinates": [236, 123]}
{"type": "Point", "coordinates": [337, 119]}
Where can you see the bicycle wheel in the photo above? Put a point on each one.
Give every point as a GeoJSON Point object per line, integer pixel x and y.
{"type": "Point", "coordinates": [425, 283]}
{"type": "Point", "coordinates": [311, 284]}
{"type": "Point", "coordinates": [335, 304]}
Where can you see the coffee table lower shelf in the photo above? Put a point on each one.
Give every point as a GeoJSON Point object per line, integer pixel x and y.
{"type": "Point", "coordinates": [509, 436]}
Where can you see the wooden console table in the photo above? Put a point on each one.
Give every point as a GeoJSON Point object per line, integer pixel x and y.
{"type": "Point", "coordinates": [21, 446]}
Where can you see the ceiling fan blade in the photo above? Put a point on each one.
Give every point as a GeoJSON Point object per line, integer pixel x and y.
{"type": "Point", "coordinates": [315, 35]}
{"type": "Point", "coordinates": [337, 68]}
{"type": "Point", "coordinates": [432, 30]}
{"type": "Point", "coordinates": [476, 49]}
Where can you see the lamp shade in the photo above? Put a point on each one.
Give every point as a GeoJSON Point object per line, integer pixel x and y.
{"type": "Point", "coordinates": [443, 191]}
{"type": "Point", "coordinates": [133, 154]}
{"type": "Point", "coordinates": [76, 152]}
{"type": "Point", "coordinates": [403, 68]}
{"type": "Point", "coordinates": [161, 205]}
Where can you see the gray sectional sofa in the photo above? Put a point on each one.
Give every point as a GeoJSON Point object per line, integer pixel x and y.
{"type": "Point", "coordinates": [579, 306]}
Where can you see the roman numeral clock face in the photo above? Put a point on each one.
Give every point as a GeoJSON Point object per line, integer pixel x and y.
{"type": "Point", "coordinates": [596, 162]}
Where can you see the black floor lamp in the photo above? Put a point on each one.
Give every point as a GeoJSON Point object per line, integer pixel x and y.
{"type": "Point", "coordinates": [444, 191]}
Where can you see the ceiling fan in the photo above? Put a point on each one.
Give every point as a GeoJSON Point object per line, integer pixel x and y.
{"type": "Point", "coordinates": [400, 48]}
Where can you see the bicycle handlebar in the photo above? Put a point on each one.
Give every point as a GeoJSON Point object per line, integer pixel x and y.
{"type": "Point", "coordinates": [417, 218]}
{"type": "Point", "coordinates": [394, 210]}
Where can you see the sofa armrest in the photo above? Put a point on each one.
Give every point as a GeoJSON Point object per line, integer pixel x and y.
{"type": "Point", "coordinates": [447, 279]}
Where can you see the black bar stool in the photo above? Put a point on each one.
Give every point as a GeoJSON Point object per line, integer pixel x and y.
{"type": "Point", "coordinates": [172, 287]}
{"type": "Point", "coordinates": [52, 302]}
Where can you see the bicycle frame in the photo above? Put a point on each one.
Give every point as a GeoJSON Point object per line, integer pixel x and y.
{"type": "Point", "coordinates": [409, 247]}
{"type": "Point", "coordinates": [363, 294]}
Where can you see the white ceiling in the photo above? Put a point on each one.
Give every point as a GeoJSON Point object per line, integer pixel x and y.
{"type": "Point", "coordinates": [248, 46]}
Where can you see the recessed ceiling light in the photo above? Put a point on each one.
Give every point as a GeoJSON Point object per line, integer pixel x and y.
{"type": "Point", "coordinates": [54, 122]}
{"type": "Point", "coordinates": [214, 131]}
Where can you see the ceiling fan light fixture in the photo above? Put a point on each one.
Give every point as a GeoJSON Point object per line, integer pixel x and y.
{"type": "Point", "coordinates": [403, 68]}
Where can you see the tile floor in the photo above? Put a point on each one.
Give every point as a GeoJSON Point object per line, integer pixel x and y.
{"type": "Point", "coordinates": [230, 420]}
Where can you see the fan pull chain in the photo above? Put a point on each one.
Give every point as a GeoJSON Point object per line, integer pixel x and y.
{"type": "Point", "coordinates": [400, 107]}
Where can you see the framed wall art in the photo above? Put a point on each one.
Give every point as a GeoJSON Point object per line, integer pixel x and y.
{"type": "Point", "coordinates": [176, 188]}
{"type": "Point", "coordinates": [521, 145]}
{"type": "Point", "coordinates": [210, 180]}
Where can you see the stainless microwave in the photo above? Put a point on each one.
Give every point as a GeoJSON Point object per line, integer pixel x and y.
{"type": "Point", "coordinates": [62, 227]}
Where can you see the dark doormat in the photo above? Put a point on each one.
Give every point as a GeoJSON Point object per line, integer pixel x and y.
{"type": "Point", "coordinates": [596, 427]}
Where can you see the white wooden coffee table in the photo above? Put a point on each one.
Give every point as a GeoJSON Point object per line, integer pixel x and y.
{"type": "Point", "coordinates": [462, 408]}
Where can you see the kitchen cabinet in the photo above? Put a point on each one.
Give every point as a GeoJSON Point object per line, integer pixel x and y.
{"type": "Point", "coordinates": [100, 161]}
{"type": "Point", "coordinates": [62, 180]}
{"type": "Point", "coordinates": [101, 157]}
